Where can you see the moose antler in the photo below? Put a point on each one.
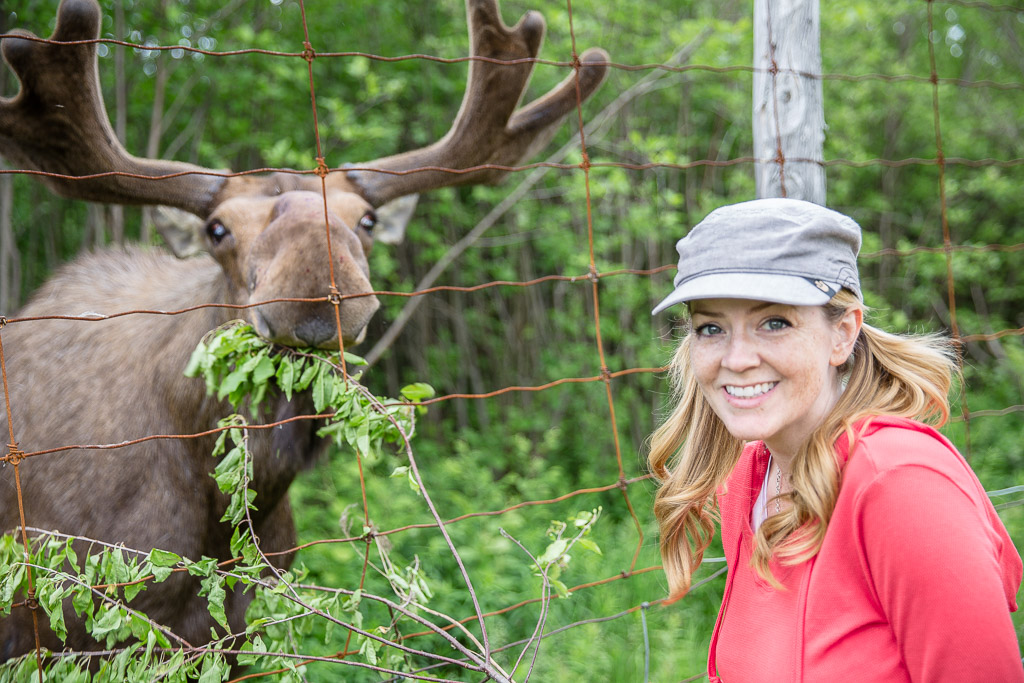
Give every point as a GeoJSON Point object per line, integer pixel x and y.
{"type": "Point", "coordinates": [57, 123]}
{"type": "Point", "coordinates": [488, 129]}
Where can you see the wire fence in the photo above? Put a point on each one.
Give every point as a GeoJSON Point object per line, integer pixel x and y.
{"type": "Point", "coordinates": [430, 646]}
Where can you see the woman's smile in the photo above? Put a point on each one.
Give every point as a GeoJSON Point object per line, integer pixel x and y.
{"type": "Point", "coordinates": [749, 391]}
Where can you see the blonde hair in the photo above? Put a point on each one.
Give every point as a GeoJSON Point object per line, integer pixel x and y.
{"type": "Point", "coordinates": [692, 453]}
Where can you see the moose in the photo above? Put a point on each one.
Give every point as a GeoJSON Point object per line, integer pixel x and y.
{"type": "Point", "coordinates": [263, 239]}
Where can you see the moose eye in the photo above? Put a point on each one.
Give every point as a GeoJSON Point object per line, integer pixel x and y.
{"type": "Point", "coordinates": [216, 231]}
{"type": "Point", "coordinates": [368, 221]}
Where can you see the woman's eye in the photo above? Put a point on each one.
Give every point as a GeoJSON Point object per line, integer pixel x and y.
{"type": "Point", "coordinates": [708, 330]}
{"type": "Point", "coordinates": [776, 324]}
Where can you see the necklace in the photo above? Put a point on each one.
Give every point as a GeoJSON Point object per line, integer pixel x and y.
{"type": "Point", "coordinates": [778, 488]}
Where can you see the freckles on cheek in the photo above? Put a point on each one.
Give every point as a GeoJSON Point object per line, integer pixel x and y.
{"type": "Point", "coordinates": [703, 368]}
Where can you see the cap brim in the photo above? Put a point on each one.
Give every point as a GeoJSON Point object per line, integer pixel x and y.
{"type": "Point", "coordinates": [781, 289]}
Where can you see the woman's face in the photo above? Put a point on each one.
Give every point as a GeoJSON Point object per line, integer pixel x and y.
{"type": "Point", "coordinates": [769, 370]}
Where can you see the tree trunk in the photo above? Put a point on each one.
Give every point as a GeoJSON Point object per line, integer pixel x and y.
{"type": "Point", "coordinates": [116, 212]}
{"type": "Point", "coordinates": [789, 120]}
{"type": "Point", "coordinates": [10, 267]}
{"type": "Point", "coordinates": [156, 125]}
{"type": "Point", "coordinates": [9, 278]}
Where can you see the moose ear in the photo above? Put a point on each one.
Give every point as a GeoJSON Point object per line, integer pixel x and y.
{"type": "Point", "coordinates": [181, 230]}
{"type": "Point", "coordinates": [392, 219]}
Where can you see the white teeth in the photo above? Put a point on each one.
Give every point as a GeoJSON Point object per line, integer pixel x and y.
{"type": "Point", "coordinates": [750, 391]}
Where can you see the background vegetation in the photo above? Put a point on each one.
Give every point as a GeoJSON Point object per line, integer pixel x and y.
{"type": "Point", "coordinates": [252, 111]}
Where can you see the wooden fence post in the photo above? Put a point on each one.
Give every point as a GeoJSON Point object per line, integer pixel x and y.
{"type": "Point", "coordinates": [789, 121]}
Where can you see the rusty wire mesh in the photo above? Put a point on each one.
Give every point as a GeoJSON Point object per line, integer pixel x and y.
{"type": "Point", "coordinates": [20, 455]}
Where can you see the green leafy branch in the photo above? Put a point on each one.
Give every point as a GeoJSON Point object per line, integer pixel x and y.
{"type": "Point", "coordinates": [244, 369]}
{"type": "Point", "coordinates": [235, 361]}
{"type": "Point", "coordinates": [98, 587]}
{"type": "Point", "coordinates": [549, 567]}
{"type": "Point", "coordinates": [237, 364]}
{"type": "Point", "coordinates": [555, 558]}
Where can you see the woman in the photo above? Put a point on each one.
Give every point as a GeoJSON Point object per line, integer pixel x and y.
{"type": "Point", "coordinates": [860, 545]}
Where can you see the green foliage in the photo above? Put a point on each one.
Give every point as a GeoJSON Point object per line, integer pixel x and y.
{"type": "Point", "coordinates": [98, 587]}
{"type": "Point", "coordinates": [240, 366]}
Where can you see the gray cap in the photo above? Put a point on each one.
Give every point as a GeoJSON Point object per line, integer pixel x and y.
{"type": "Point", "coordinates": [783, 250]}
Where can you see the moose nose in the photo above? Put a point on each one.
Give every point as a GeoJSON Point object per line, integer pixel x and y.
{"type": "Point", "coordinates": [314, 331]}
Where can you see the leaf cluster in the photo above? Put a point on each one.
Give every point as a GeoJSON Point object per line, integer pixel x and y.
{"type": "Point", "coordinates": [238, 365]}
{"type": "Point", "coordinates": [555, 558]}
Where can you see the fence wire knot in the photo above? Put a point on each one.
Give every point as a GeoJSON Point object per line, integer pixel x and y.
{"type": "Point", "coordinates": [585, 164]}
{"type": "Point", "coordinates": [334, 297]}
{"type": "Point", "coordinates": [321, 167]}
{"type": "Point", "coordinates": [3, 321]}
{"type": "Point", "coordinates": [309, 54]}
{"type": "Point", "coordinates": [30, 599]}
{"type": "Point", "coordinates": [14, 454]}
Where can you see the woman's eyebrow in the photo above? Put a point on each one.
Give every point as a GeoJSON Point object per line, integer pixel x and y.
{"type": "Point", "coordinates": [757, 309]}
{"type": "Point", "coordinates": [708, 314]}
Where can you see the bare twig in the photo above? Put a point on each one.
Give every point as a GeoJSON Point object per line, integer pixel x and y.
{"type": "Point", "coordinates": [489, 666]}
{"type": "Point", "coordinates": [545, 593]}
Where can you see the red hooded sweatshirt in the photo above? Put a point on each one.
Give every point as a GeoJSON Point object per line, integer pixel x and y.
{"type": "Point", "coordinates": [915, 580]}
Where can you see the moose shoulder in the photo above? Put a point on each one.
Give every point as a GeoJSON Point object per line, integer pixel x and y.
{"type": "Point", "coordinates": [104, 382]}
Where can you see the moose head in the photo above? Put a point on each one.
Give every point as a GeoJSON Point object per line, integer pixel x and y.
{"type": "Point", "coordinates": [268, 232]}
